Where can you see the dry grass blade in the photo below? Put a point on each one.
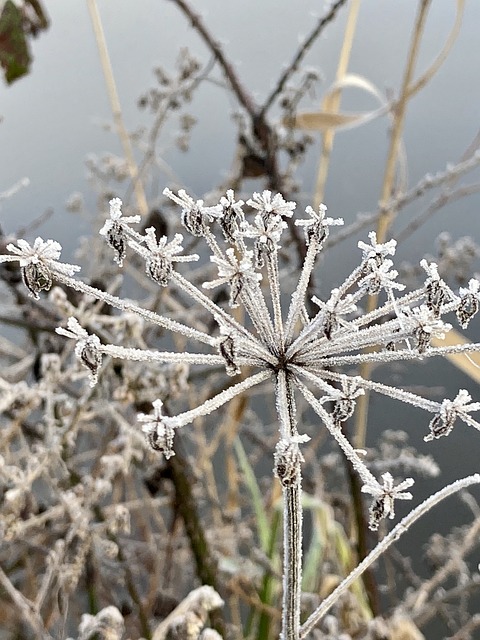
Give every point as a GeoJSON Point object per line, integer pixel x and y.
{"type": "Point", "coordinates": [327, 143]}
{"type": "Point", "coordinates": [442, 56]}
{"type": "Point", "coordinates": [116, 108]}
{"type": "Point", "coordinates": [327, 120]}
{"type": "Point", "coordinates": [467, 363]}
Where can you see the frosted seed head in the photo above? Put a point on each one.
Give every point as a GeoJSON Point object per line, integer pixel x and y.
{"type": "Point", "coordinates": [232, 217]}
{"type": "Point", "coordinates": [317, 227]}
{"type": "Point", "coordinates": [385, 495]}
{"type": "Point", "coordinates": [115, 230]}
{"type": "Point", "coordinates": [158, 430]}
{"type": "Point", "coordinates": [115, 237]}
{"type": "Point", "coordinates": [269, 206]}
{"type": "Point", "coordinates": [227, 351]}
{"type": "Point", "coordinates": [159, 269]}
{"type": "Point", "coordinates": [90, 356]}
{"type": "Point", "coordinates": [36, 277]}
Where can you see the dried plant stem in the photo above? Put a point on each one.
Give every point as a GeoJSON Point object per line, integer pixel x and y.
{"type": "Point", "coordinates": [419, 598]}
{"type": "Point", "coordinates": [468, 627]}
{"type": "Point", "coordinates": [382, 546]}
{"type": "Point", "coordinates": [334, 103]}
{"type": "Point", "coordinates": [197, 23]}
{"type": "Point", "coordinates": [292, 518]}
{"type": "Point", "coordinates": [26, 608]}
{"type": "Point", "coordinates": [362, 531]}
{"type": "Point", "coordinates": [292, 561]}
{"type": "Point", "coordinates": [206, 564]}
{"type": "Point", "coordinates": [302, 51]}
{"type": "Point", "coordinates": [399, 121]}
{"type": "Point", "coordinates": [116, 108]}
{"type": "Point", "coordinates": [387, 214]}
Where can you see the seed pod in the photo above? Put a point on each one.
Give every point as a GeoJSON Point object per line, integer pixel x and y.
{"type": "Point", "coordinates": [227, 351]}
{"type": "Point", "coordinates": [91, 357]}
{"type": "Point", "coordinates": [423, 339]}
{"type": "Point", "coordinates": [36, 277]}
{"type": "Point", "coordinates": [377, 513]}
{"type": "Point", "coordinates": [116, 239]}
{"type": "Point", "coordinates": [194, 221]}
{"type": "Point", "coordinates": [467, 308]}
{"type": "Point", "coordinates": [160, 438]}
{"type": "Point", "coordinates": [436, 296]}
{"type": "Point", "coordinates": [160, 270]}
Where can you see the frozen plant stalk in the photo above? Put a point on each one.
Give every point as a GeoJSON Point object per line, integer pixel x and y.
{"type": "Point", "coordinates": [302, 354]}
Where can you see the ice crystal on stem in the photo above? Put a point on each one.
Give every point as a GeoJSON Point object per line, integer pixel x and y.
{"type": "Point", "coordinates": [301, 354]}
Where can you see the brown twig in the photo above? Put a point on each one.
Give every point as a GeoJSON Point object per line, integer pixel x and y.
{"type": "Point", "coordinates": [186, 504]}
{"type": "Point", "coordinates": [197, 23]}
{"type": "Point", "coordinates": [293, 66]}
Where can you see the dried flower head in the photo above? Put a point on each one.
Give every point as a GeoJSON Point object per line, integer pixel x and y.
{"type": "Point", "coordinates": [302, 354]}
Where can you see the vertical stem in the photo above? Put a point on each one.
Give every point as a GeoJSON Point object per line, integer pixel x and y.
{"type": "Point", "coordinates": [292, 561]}
{"type": "Point", "coordinates": [115, 106]}
{"type": "Point", "coordinates": [292, 512]}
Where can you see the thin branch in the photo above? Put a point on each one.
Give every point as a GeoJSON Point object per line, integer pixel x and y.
{"type": "Point", "coordinates": [302, 51]}
{"type": "Point", "coordinates": [26, 608]}
{"type": "Point", "coordinates": [197, 23]}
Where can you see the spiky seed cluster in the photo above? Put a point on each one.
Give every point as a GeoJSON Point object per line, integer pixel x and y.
{"type": "Point", "coordinates": [87, 348]}
{"type": "Point", "coordinates": [301, 353]}
{"type": "Point", "coordinates": [385, 496]}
